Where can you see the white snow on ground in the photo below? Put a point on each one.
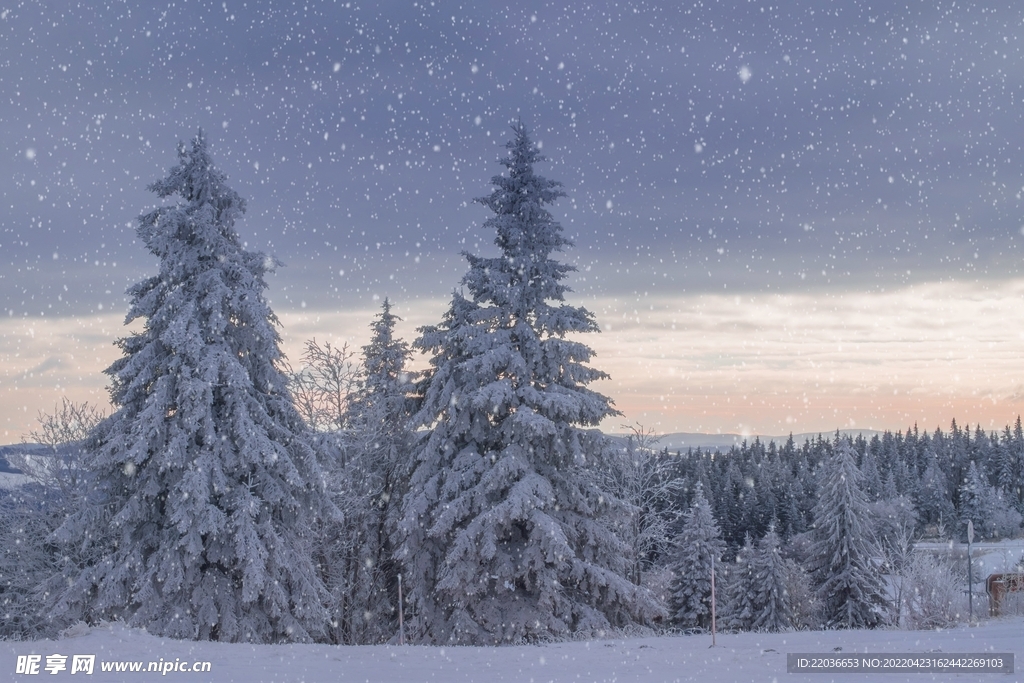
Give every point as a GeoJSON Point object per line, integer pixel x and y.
{"type": "Point", "coordinates": [739, 657]}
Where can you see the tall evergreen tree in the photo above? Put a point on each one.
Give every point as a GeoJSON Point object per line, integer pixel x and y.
{"type": "Point", "coordinates": [849, 586]}
{"type": "Point", "coordinates": [501, 534]}
{"type": "Point", "coordinates": [699, 542]}
{"type": "Point", "coordinates": [204, 483]}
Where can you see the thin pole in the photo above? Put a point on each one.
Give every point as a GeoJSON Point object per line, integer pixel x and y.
{"type": "Point", "coordinates": [712, 600]}
{"type": "Point", "coordinates": [401, 619]}
{"type": "Point", "coordinates": [970, 583]}
{"type": "Point", "coordinates": [970, 574]}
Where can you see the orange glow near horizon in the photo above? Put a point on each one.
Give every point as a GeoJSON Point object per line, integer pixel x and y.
{"type": "Point", "coordinates": [764, 364]}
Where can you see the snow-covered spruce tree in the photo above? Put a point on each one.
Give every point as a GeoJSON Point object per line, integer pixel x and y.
{"type": "Point", "coordinates": [771, 596]}
{"type": "Point", "coordinates": [381, 414]}
{"type": "Point", "coordinates": [1009, 466]}
{"type": "Point", "coordinates": [844, 548]}
{"type": "Point", "coordinates": [738, 592]}
{"type": "Point", "coordinates": [699, 541]}
{"type": "Point", "coordinates": [502, 538]}
{"type": "Point", "coordinates": [375, 467]}
{"type": "Point", "coordinates": [205, 484]}
{"type": "Point", "coordinates": [983, 504]}
{"type": "Point", "coordinates": [381, 417]}
{"type": "Point", "coordinates": [931, 495]}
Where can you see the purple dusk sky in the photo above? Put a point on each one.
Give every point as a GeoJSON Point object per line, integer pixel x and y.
{"type": "Point", "coordinates": [790, 216]}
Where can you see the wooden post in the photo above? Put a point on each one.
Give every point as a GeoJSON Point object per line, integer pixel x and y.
{"type": "Point", "coordinates": [970, 573]}
{"type": "Point", "coordinates": [712, 600]}
{"type": "Point", "coordinates": [995, 586]}
{"type": "Point", "coordinates": [401, 620]}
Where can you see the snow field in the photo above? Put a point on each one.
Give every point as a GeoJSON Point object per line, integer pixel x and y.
{"type": "Point", "coordinates": [737, 657]}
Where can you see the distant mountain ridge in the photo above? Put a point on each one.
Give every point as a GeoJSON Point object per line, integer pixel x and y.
{"type": "Point", "coordinates": [17, 448]}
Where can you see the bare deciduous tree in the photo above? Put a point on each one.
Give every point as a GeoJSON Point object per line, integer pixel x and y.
{"type": "Point", "coordinates": [642, 479]}
{"type": "Point", "coordinates": [62, 433]}
{"type": "Point", "coordinates": [30, 513]}
{"type": "Point", "coordinates": [324, 386]}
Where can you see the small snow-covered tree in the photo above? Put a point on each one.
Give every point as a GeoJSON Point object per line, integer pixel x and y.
{"type": "Point", "coordinates": [931, 495]}
{"type": "Point", "coordinates": [975, 501]}
{"type": "Point", "coordinates": [739, 591]}
{"type": "Point", "coordinates": [204, 482]}
{"type": "Point", "coordinates": [873, 486]}
{"type": "Point", "coordinates": [1010, 465]}
{"type": "Point", "coordinates": [371, 477]}
{"type": "Point", "coordinates": [381, 423]}
{"type": "Point", "coordinates": [502, 538]}
{"type": "Point", "coordinates": [844, 551]}
{"type": "Point", "coordinates": [772, 606]}
{"type": "Point", "coordinates": [699, 541]}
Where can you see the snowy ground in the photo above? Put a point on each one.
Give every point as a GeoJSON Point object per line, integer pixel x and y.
{"type": "Point", "coordinates": [740, 657]}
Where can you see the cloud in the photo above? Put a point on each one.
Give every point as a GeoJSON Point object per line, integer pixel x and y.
{"type": "Point", "coordinates": [704, 362]}
{"type": "Point", "coordinates": [760, 363]}
{"type": "Point", "coordinates": [42, 359]}
{"type": "Point", "coordinates": [51, 363]}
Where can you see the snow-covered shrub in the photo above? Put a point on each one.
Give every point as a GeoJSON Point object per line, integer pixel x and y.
{"type": "Point", "coordinates": [934, 595]}
{"type": "Point", "coordinates": [890, 517]}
